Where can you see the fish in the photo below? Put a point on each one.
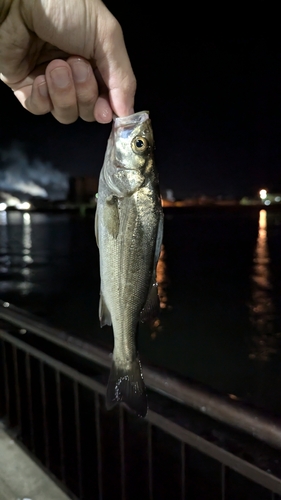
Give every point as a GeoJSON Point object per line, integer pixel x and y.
{"type": "Point", "coordinates": [129, 230]}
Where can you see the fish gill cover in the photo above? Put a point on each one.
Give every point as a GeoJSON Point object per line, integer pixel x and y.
{"type": "Point", "coordinates": [33, 177]}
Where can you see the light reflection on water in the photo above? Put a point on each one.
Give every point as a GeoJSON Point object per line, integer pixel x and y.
{"type": "Point", "coordinates": [4, 256]}
{"type": "Point", "coordinates": [26, 285]}
{"type": "Point", "coordinates": [262, 309]}
{"type": "Point", "coordinates": [15, 252]}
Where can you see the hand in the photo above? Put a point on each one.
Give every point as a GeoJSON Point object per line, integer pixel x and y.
{"type": "Point", "coordinates": [67, 57]}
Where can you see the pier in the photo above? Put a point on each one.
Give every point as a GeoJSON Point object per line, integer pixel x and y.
{"type": "Point", "coordinates": [192, 444]}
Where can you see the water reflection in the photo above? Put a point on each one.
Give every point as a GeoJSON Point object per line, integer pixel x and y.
{"type": "Point", "coordinates": [4, 258]}
{"type": "Point", "coordinates": [262, 310]}
{"type": "Point", "coordinates": [26, 239]}
{"type": "Point", "coordinates": [163, 283]}
{"type": "Point", "coordinates": [15, 252]}
{"type": "Point", "coordinates": [25, 285]}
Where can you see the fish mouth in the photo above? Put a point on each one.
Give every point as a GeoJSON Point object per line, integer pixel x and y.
{"type": "Point", "coordinates": [121, 165]}
{"type": "Point", "coordinates": [134, 119]}
{"type": "Point", "coordinates": [124, 126]}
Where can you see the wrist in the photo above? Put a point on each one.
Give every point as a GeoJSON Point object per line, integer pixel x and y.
{"type": "Point", "coordinates": [5, 6]}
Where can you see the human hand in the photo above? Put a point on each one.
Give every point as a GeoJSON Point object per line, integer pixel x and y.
{"type": "Point", "coordinates": [68, 58]}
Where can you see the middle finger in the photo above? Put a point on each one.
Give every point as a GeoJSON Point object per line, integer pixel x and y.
{"type": "Point", "coordinates": [86, 87]}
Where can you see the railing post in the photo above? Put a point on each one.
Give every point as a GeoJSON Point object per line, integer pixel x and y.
{"type": "Point", "coordinates": [99, 452]}
{"type": "Point", "coordinates": [59, 403]}
{"type": "Point", "coordinates": [6, 383]}
{"type": "Point", "coordinates": [29, 397]}
{"type": "Point", "coordinates": [150, 466]}
{"type": "Point", "coordinates": [45, 423]}
{"type": "Point", "coordinates": [122, 451]}
{"type": "Point", "coordinates": [17, 389]}
{"type": "Point", "coordinates": [78, 436]}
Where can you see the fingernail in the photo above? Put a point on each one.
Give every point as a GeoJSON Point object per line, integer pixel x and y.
{"type": "Point", "coordinates": [43, 89]}
{"type": "Point", "coordinates": [60, 77]}
{"type": "Point", "coordinates": [80, 71]}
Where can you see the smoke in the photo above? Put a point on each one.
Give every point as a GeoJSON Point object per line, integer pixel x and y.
{"type": "Point", "coordinates": [32, 177]}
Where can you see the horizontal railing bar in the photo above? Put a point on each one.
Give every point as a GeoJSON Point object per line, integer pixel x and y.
{"type": "Point", "coordinates": [54, 363]}
{"type": "Point", "coordinates": [236, 463]}
{"type": "Point", "coordinates": [232, 413]}
{"type": "Point", "coordinates": [58, 337]}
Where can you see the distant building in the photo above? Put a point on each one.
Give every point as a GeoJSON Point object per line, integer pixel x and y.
{"type": "Point", "coordinates": [170, 195]}
{"type": "Point", "coordinates": [82, 189]}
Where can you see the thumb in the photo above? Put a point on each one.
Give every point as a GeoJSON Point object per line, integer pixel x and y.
{"type": "Point", "coordinates": [113, 63]}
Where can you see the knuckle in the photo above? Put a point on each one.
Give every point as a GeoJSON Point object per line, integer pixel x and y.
{"type": "Point", "coordinates": [130, 85]}
{"type": "Point", "coordinates": [37, 108]}
{"type": "Point", "coordinates": [127, 83]}
{"type": "Point", "coordinates": [87, 97]}
{"type": "Point", "coordinates": [114, 27]}
{"type": "Point", "coordinates": [65, 106]}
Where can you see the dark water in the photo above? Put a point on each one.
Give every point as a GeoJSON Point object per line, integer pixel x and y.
{"type": "Point", "coordinates": [220, 286]}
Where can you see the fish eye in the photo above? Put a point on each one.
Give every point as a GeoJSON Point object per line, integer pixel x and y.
{"type": "Point", "coordinates": [139, 144]}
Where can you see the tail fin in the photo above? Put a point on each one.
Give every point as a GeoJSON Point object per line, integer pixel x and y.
{"type": "Point", "coordinates": [127, 385]}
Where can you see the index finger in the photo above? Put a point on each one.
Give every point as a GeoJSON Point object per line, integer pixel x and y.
{"type": "Point", "coordinates": [114, 64]}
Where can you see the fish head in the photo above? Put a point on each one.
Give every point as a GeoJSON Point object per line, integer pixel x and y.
{"type": "Point", "coordinates": [129, 155]}
{"type": "Point", "coordinates": [133, 141]}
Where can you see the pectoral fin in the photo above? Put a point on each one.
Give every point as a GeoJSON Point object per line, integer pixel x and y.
{"type": "Point", "coordinates": [111, 216]}
{"type": "Point", "coordinates": [104, 314]}
{"type": "Point", "coordinates": [128, 181]}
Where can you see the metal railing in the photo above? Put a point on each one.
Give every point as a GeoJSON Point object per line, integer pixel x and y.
{"type": "Point", "coordinates": [193, 444]}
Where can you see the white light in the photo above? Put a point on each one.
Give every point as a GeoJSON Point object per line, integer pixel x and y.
{"type": "Point", "coordinates": [263, 194]}
{"type": "Point", "coordinates": [12, 201]}
{"type": "Point", "coordinates": [23, 206]}
{"type": "Point", "coordinates": [26, 218]}
{"type": "Point", "coordinates": [267, 202]}
{"type": "Point", "coordinates": [277, 198]}
{"type": "Point", "coordinates": [3, 206]}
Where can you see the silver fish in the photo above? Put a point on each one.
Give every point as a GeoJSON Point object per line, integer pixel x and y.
{"type": "Point", "coordinates": [129, 227]}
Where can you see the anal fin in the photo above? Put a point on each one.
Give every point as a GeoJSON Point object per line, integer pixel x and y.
{"type": "Point", "coordinates": [104, 314]}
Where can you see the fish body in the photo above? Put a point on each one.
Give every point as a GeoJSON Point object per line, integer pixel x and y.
{"type": "Point", "coordinates": [129, 226]}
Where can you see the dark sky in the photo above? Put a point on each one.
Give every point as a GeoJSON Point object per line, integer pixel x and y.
{"type": "Point", "coordinates": [211, 80]}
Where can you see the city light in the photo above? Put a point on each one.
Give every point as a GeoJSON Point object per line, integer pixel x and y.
{"type": "Point", "coordinates": [23, 206]}
{"type": "Point", "coordinates": [263, 194]}
{"type": "Point", "coordinates": [3, 207]}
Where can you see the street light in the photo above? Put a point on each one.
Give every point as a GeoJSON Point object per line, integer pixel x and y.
{"type": "Point", "coordinates": [263, 194]}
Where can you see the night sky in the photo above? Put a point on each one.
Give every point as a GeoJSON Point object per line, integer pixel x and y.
{"type": "Point", "coordinates": [212, 83]}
